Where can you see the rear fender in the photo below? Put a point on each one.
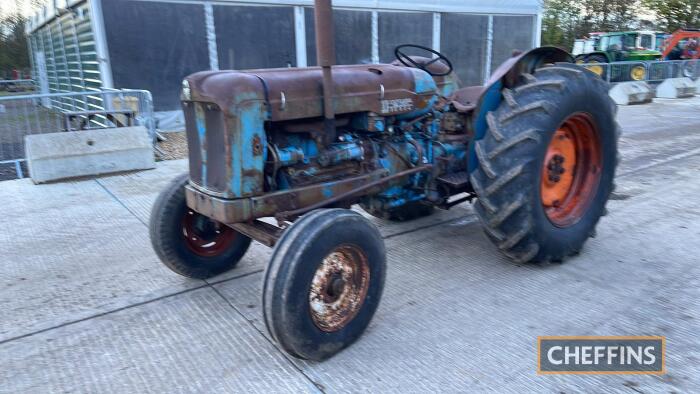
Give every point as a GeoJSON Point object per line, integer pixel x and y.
{"type": "Point", "coordinates": [507, 75]}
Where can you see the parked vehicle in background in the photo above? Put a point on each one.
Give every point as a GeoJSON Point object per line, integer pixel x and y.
{"type": "Point", "coordinates": [620, 47]}
{"type": "Point", "coordinates": [681, 45]}
{"type": "Point", "coordinates": [583, 46]}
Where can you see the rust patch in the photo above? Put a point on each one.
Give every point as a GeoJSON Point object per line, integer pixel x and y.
{"type": "Point", "coordinates": [339, 288]}
{"type": "Point", "coordinates": [257, 146]}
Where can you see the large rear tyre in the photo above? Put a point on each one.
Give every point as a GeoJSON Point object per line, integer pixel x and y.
{"type": "Point", "coordinates": [409, 211]}
{"type": "Point", "coordinates": [323, 283]}
{"type": "Point", "coordinates": [191, 244]}
{"type": "Point", "coordinates": [546, 164]}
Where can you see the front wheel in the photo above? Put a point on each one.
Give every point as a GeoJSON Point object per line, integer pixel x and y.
{"type": "Point", "coordinates": [191, 244]}
{"type": "Point", "coordinates": [546, 164]}
{"type": "Point", "coordinates": [323, 283]}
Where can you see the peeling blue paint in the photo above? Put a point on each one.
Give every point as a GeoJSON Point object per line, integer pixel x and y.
{"type": "Point", "coordinates": [250, 113]}
{"type": "Point", "coordinates": [327, 192]}
{"type": "Point", "coordinates": [200, 120]}
{"type": "Point", "coordinates": [490, 101]}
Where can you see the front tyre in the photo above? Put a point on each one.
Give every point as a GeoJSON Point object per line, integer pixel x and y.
{"type": "Point", "coordinates": [547, 164]}
{"type": "Point", "coordinates": [191, 244]}
{"type": "Point", "coordinates": [323, 283]}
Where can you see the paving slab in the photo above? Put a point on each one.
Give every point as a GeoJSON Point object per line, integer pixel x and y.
{"type": "Point", "coordinates": [192, 342]}
{"type": "Point", "coordinates": [457, 317]}
{"type": "Point", "coordinates": [138, 191]}
{"type": "Point", "coordinates": [72, 251]}
{"type": "Point", "coordinates": [88, 307]}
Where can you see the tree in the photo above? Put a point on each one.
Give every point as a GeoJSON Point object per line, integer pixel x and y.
{"type": "Point", "coordinates": [565, 20]}
{"type": "Point", "coordinates": [675, 14]}
{"type": "Point", "coordinates": [13, 44]}
{"type": "Point", "coordinates": [559, 22]}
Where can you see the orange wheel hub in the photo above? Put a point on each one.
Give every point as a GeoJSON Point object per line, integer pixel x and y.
{"type": "Point", "coordinates": [571, 170]}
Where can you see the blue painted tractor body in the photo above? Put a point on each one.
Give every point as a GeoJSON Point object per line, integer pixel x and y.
{"type": "Point", "coordinates": [258, 146]}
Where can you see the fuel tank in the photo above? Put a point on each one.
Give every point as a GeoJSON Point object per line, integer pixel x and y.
{"type": "Point", "coordinates": [225, 114]}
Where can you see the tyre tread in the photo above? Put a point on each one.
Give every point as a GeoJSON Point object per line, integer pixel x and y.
{"type": "Point", "coordinates": [503, 161]}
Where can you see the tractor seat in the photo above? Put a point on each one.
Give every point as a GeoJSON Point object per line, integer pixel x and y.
{"type": "Point", "coordinates": [465, 99]}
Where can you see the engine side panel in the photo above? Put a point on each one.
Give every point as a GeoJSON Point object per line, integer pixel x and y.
{"type": "Point", "coordinates": [227, 114]}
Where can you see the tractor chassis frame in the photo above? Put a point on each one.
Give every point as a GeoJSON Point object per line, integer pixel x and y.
{"type": "Point", "coordinates": [242, 214]}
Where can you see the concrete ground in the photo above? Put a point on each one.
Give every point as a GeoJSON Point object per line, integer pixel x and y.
{"type": "Point", "coordinates": [87, 307]}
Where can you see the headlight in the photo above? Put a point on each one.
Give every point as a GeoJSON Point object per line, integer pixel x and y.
{"type": "Point", "coordinates": [186, 94]}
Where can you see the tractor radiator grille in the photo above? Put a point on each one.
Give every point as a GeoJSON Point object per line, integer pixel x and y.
{"type": "Point", "coordinates": [206, 140]}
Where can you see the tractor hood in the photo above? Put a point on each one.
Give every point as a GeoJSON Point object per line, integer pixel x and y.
{"type": "Point", "coordinates": [643, 54]}
{"type": "Point", "coordinates": [296, 93]}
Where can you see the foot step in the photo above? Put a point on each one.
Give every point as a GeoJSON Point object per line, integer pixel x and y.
{"type": "Point", "coordinates": [455, 180]}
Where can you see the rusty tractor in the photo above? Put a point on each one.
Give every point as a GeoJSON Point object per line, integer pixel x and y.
{"type": "Point", "coordinates": [280, 155]}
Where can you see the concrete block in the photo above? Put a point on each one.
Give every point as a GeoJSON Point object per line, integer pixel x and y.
{"type": "Point", "coordinates": [72, 154]}
{"type": "Point", "coordinates": [636, 92]}
{"type": "Point", "coordinates": [676, 88]}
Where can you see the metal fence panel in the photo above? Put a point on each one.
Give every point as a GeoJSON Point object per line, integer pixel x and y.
{"type": "Point", "coordinates": [648, 71]}
{"type": "Point", "coordinates": [27, 114]}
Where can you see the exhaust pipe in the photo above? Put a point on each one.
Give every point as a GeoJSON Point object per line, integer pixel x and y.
{"type": "Point", "coordinates": [325, 55]}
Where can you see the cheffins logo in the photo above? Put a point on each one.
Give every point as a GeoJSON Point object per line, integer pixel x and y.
{"type": "Point", "coordinates": [601, 355]}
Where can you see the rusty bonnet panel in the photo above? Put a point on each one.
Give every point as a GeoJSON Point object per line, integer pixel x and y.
{"type": "Point", "coordinates": [296, 93]}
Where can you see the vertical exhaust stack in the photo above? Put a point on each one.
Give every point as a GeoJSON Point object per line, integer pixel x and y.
{"type": "Point", "coordinates": [325, 54]}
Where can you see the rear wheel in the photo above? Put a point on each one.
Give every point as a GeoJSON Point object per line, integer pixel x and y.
{"type": "Point", "coordinates": [323, 283]}
{"type": "Point", "coordinates": [546, 164]}
{"type": "Point", "coordinates": [191, 244]}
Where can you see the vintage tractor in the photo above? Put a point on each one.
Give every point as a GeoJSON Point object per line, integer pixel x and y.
{"type": "Point", "coordinates": [280, 155]}
{"type": "Point", "coordinates": [634, 47]}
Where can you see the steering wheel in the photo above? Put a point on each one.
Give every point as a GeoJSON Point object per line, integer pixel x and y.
{"type": "Point", "coordinates": [408, 62]}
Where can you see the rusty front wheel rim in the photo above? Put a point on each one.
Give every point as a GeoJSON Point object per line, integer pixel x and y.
{"type": "Point", "coordinates": [206, 237]}
{"type": "Point", "coordinates": [338, 288]}
{"type": "Point", "coordinates": [571, 170]}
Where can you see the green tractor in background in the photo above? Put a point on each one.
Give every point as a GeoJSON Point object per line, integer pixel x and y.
{"type": "Point", "coordinates": [626, 46]}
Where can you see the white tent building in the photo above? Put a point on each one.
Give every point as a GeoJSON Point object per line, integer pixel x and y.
{"type": "Point", "coordinates": [82, 45]}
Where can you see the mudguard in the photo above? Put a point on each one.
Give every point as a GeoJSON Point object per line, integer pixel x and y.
{"type": "Point", "coordinates": [507, 76]}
